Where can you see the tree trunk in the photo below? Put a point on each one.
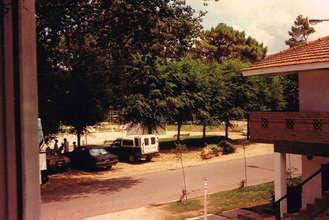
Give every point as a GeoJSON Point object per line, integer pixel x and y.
{"type": "Point", "coordinates": [226, 129]}
{"type": "Point", "coordinates": [204, 131]}
{"type": "Point", "coordinates": [78, 137]}
{"type": "Point", "coordinates": [149, 129]}
{"type": "Point", "coordinates": [178, 130]}
{"type": "Point", "coordinates": [248, 120]}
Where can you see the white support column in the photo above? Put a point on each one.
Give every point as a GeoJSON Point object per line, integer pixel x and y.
{"type": "Point", "coordinates": [280, 180]}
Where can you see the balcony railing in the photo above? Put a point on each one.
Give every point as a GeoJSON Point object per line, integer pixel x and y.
{"type": "Point", "coordinates": [305, 127]}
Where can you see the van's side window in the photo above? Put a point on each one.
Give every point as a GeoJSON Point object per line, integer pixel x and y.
{"type": "Point", "coordinates": [146, 141]}
{"type": "Point", "coordinates": [153, 140]}
{"type": "Point", "coordinates": [136, 142]}
{"type": "Point", "coordinates": [117, 143]}
{"type": "Point", "coordinates": [127, 143]}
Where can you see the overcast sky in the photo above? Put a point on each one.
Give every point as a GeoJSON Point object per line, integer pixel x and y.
{"type": "Point", "coordinates": [268, 21]}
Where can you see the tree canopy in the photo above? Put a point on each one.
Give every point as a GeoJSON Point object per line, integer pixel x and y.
{"type": "Point", "coordinates": [223, 42]}
{"type": "Point", "coordinates": [145, 102]}
{"type": "Point", "coordinates": [299, 32]}
{"type": "Point", "coordinates": [84, 48]}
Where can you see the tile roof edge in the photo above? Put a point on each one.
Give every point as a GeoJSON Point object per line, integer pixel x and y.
{"type": "Point", "coordinates": [307, 43]}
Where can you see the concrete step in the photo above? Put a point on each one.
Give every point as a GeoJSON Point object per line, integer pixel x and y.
{"type": "Point", "coordinates": [312, 210]}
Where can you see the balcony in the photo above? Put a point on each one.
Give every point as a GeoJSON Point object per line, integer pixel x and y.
{"type": "Point", "coordinates": [302, 127]}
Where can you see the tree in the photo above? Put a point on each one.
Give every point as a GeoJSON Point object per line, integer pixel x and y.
{"type": "Point", "coordinates": [213, 95]}
{"type": "Point", "coordinates": [73, 72]}
{"type": "Point", "coordinates": [108, 33]}
{"type": "Point", "coordinates": [245, 94]}
{"type": "Point", "coordinates": [112, 32]}
{"type": "Point", "coordinates": [184, 90]}
{"type": "Point", "coordinates": [299, 32]}
{"type": "Point", "coordinates": [223, 42]}
{"type": "Point", "coordinates": [145, 102]}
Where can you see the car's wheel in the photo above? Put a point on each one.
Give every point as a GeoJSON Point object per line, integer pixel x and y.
{"type": "Point", "coordinates": [148, 158]}
{"type": "Point", "coordinates": [132, 159]}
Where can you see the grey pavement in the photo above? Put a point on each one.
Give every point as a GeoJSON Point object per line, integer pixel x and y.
{"type": "Point", "coordinates": [160, 187]}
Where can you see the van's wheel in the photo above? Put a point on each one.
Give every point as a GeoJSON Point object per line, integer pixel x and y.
{"type": "Point", "coordinates": [132, 159]}
{"type": "Point", "coordinates": [44, 176]}
{"type": "Point", "coordinates": [148, 158]}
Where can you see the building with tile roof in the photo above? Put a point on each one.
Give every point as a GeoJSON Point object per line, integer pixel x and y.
{"type": "Point", "coordinates": [306, 132]}
{"type": "Point", "coordinates": [310, 55]}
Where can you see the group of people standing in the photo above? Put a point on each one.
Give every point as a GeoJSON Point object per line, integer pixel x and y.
{"type": "Point", "coordinates": [64, 148]}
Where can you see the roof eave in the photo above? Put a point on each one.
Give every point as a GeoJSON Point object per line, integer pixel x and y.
{"type": "Point", "coordinates": [285, 69]}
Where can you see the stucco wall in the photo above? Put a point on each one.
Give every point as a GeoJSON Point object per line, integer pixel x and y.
{"type": "Point", "coordinates": [313, 97]}
{"type": "Point", "coordinates": [314, 91]}
{"type": "Point", "coordinates": [312, 189]}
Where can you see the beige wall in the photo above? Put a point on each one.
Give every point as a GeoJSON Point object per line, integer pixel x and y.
{"type": "Point", "coordinates": [314, 91]}
{"type": "Point", "coordinates": [19, 172]}
{"type": "Point", "coordinates": [313, 97]}
{"type": "Point", "coordinates": [312, 189]}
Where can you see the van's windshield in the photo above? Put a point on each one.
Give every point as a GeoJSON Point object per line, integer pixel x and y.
{"type": "Point", "coordinates": [127, 143]}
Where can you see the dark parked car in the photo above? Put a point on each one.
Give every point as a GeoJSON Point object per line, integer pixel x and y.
{"type": "Point", "coordinates": [92, 157]}
{"type": "Point", "coordinates": [56, 162]}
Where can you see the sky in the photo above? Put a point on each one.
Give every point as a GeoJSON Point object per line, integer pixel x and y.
{"type": "Point", "coordinates": [268, 21]}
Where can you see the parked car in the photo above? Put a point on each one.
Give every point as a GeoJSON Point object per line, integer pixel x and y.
{"type": "Point", "coordinates": [56, 162]}
{"type": "Point", "coordinates": [135, 147]}
{"type": "Point", "coordinates": [92, 157]}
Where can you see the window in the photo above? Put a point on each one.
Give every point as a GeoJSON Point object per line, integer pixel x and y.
{"type": "Point", "coordinates": [117, 143]}
{"type": "Point", "coordinates": [96, 152]}
{"type": "Point", "coordinates": [153, 140]}
{"type": "Point", "coordinates": [128, 143]}
{"type": "Point", "coordinates": [136, 142]}
{"type": "Point", "coordinates": [146, 141]}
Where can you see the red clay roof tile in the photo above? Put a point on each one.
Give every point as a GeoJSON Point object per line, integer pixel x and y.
{"type": "Point", "coordinates": [316, 51]}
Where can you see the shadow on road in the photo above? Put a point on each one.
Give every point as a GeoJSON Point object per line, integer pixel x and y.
{"type": "Point", "coordinates": [64, 187]}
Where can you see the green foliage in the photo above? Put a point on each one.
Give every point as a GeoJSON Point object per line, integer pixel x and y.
{"type": "Point", "coordinates": [223, 42]}
{"type": "Point", "coordinates": [84, 48]}
{"type": "Point", "coordinates": [226, 200]}
{"type": "Point", "coordinates": [299, 32]}
{"type": "Point", "coordinates": [210, 151]}
{"type": "Point", "coordinates": [228, 148]}
{"type": "Point", "coordinates": [145, 100]}
{"type": "Point", "coordinates": [189, 142]}
{"type": "Point", "coordinates": [294, 181]}
{"type": "Point", "coordinates": [184, 207]}
{"type": "Point", "coordinates": [184, 89]}
{"type": "Point", "coordinates": [242, 198]}
{"type": "Point", "coordinates": [290, 92]}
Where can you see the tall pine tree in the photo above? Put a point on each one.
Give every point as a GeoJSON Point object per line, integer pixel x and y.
{"type": "Point", "coordinates": [299, 32]}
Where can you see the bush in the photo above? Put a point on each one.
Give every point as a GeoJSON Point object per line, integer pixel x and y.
{"type": "Point", "coordinates": [227, 147]}
{"type": "Point", "coordinates": [210, 151]}
{"type": "Point", "coordinates": [206, 153]}
{"type": "Point", "coordinates": [215, 149]}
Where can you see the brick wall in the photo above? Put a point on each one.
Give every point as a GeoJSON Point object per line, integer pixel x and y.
{"type": "Point", "coordinates": [307, 127]}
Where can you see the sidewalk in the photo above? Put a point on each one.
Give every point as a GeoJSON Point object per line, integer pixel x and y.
{"type": "Point", "coordinates": [144, 213]}
{"type": "Point", "coordinates": [149, 213]}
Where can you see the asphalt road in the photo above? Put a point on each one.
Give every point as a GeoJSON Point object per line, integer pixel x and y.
{"type": "Point", "coordinates": [155, 188]}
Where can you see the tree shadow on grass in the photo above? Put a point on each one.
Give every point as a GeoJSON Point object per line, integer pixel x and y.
{"type": "Point", "coordinates": [65, 187]}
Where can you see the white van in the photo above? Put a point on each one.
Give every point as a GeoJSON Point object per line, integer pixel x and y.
{"type": "Point", "coordinates": [42, 155]}
{"type": "Point", "coordinates": [135, 147]}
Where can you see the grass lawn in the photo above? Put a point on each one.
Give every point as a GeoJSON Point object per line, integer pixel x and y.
{"type": "Point", "coordinates": [223, 201]}
{"type": "Point", "coordinates": [199, 128]}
